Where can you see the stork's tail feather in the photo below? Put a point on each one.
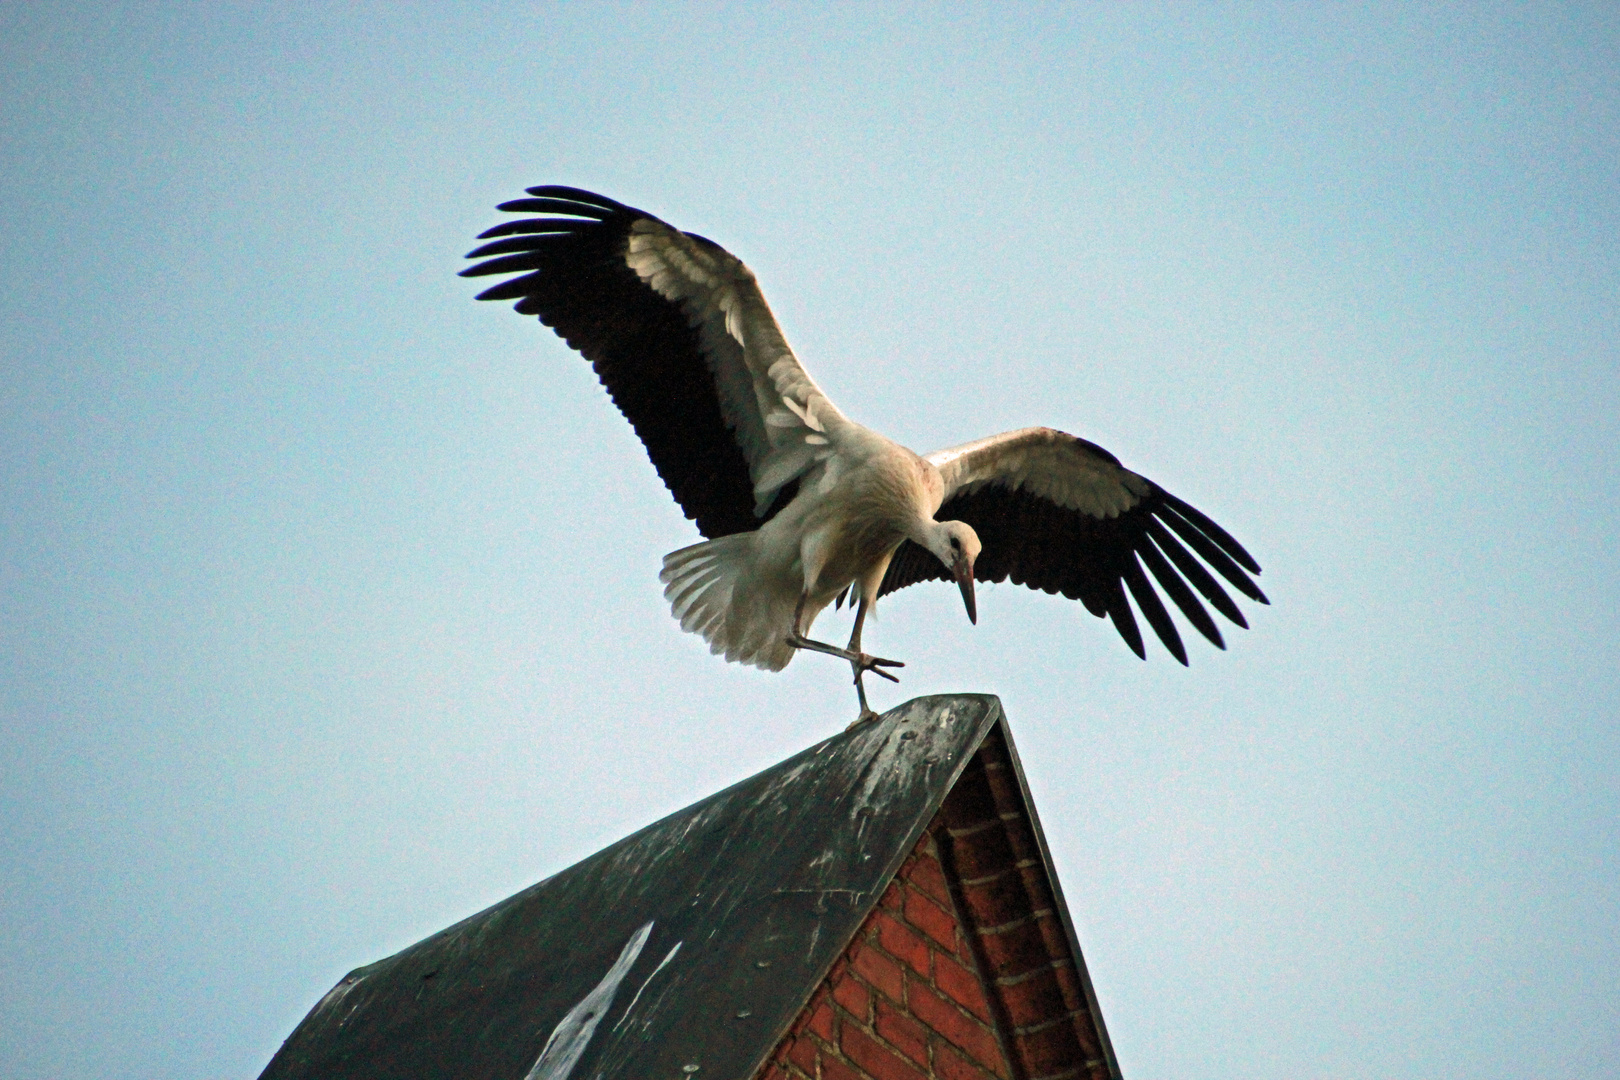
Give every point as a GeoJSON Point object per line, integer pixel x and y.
{"type": "Point", "coordinates": [713, 589]}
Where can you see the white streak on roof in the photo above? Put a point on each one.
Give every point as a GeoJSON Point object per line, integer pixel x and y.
{"type": "Point", "coordinates": [573, 1032]}
{"type": "Point", "coordinates": [673, 949]}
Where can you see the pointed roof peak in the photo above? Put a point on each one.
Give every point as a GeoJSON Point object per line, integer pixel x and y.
{"type": "Point", "coordinates": [691, 948]}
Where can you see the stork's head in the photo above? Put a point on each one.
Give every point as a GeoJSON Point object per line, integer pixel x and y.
{"type": "Point", "coordinates": [955, 544]}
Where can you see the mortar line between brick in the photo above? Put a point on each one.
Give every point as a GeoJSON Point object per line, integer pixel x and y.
{"type": "Point", "coordinates": [1014, 980]}
{"type": "Point", "coordinates": [973, 830]}
{"type": "Point", "coordinates": [872, 1032]}
{"type": "Point", "coordinates": [988, 878]}
{"type": "Point", "coordinates": [1002, 928]}
{"type": "Point", "coordinates": [1035, 1029]}
{"type": "Point", "coordinates": [1021, 864]}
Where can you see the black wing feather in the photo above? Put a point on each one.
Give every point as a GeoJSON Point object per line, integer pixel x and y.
{"type": "Point", "coordinates": [536, 239]}
{"type": "Point", "coordinates": [523, 225]}
{"type": "Point", "coordinates": [1185, 601]}
{"type": "Point", "coordinates": [1124, 621]}
{"type": "Point", "coordinates": [1151, 606]}
{"type": "Point", "coordinates": [1194, 571]}
{"type": "Point", "coordinates": [1211, 553]}
{"type": "Point", "coordinates": [573, 276]}
{"type": "Point", "coordinates": [1213, 531]}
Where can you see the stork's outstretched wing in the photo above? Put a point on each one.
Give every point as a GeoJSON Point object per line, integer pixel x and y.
{"type": "Point", "coordinates": [678, 332]}
{"type": "Point", "coordinates": [1062, 515]}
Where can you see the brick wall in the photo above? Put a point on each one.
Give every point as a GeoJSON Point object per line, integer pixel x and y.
{"type": "Point", "coordinates": [963, 969]}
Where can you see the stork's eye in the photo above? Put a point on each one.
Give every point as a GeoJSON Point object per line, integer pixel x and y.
{"type": "Point", "coordinates": [956, 545]}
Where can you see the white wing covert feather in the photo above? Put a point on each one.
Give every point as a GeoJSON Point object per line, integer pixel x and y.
{"type": "Point", "coordinates": [779, 416]}
{"type": "Point", "coordinates": [1047, 463]}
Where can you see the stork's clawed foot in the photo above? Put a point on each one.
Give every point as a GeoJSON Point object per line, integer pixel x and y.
{"type": "Point", "coordinates": [864, 662]}
{"type": "Point", "coordinates": [866, 717]}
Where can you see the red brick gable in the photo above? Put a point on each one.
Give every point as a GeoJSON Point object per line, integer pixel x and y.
{"type": "Point", "coordinates": [963, 971]}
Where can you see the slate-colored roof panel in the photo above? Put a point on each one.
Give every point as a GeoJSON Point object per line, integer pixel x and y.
{"type": "Point", "coordinates": [692, 943]}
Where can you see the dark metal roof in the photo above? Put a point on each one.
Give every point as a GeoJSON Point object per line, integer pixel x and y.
{"type": "Point", "coordinates": [683, 951]}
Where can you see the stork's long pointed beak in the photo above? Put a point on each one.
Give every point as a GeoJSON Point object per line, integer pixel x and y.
{"type": "Point", "coordinates": [964, 580]}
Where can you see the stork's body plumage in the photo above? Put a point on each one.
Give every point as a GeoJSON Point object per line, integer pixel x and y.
{"type": "Point", "coordinates": [799, 502]}
{"type": "Point", "coordinates": [754, 595]}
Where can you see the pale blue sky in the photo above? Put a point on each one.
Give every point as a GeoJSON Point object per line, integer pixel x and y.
{"type": "Point", "coordinates": [329, 609]}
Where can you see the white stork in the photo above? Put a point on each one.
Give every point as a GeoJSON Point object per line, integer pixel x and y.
{"type": "Point", "coordinates": [799, 503]}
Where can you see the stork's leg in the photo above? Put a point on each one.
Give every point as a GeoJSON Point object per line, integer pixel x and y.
{"type": "Point", "coordinates": [799, 641]}
{"type": "Point", "coordinates": [862, 663]}
{"type": "Point", "coordinates": [867, 712]}
{"type": "Point", "coordinates": [861, 660]}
